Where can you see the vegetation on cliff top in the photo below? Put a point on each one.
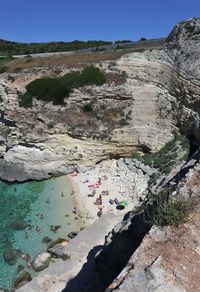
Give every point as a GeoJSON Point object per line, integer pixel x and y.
{"type": "Point", "coordinates": [172, 213]}
{"type": "Point", "coordinates": [15, 48]}
{"type": "Point", "coordinates": [56, 89]}
{"type": "Point", "coordinates": [3, 62]}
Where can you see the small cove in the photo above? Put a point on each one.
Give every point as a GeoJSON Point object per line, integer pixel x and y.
{"type": "Point", "coordinates": [24, 203]}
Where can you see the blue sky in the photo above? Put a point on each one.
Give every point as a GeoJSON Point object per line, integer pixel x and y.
{"type": "Point", "coordinates": [66, 20]}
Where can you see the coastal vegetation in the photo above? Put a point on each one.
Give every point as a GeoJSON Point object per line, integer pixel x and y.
{"type": "Point", "coordinates": [56, 89]}
{"type": "Point", "coordinates": [171, 214]}
{"type": "Point", "coordinates": [166, 211]}
{"type": "Point", "coordinates": [87, 108]}
{"type": "Point", "coordinates": [3, 62]}
{"type": "Point", "coordinates": [165, 159]}
{"type": "Point", "coordinates": [17, 48]}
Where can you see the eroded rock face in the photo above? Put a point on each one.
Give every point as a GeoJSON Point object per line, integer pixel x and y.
{"type": "Point", "coordinates": [158, 95]}
{"type": "Point", "coordinates": [183, 46]}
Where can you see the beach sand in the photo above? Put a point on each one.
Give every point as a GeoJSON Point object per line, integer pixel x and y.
{"type": "Point", "coordinates": [115, 178]}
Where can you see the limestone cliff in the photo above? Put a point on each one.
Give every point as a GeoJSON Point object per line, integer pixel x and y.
{"type": "Point", "coordinates": [138, 113]}
{"type": "Point", "coordinates": [159, 94]}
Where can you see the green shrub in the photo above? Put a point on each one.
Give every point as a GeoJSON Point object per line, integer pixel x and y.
{"type": "Point", "coordinates": [47, 89]}
{"type": "Point", "coordinates": [153, 178]}
{"type": "Point", "coordinates": [137, 156]}
{"type": "Point", "coordinates": [172, 214]}
{"type": "Point", "coordinates": [56, 89]}
{"type": "Point", "coordinates": [87, 108]}
{"type": "Point", "coordinates": [26, 100]}
{"type": "Point", "coordinates": [166, 157]}
{"type": "Point", "coordinates": [3, 69]}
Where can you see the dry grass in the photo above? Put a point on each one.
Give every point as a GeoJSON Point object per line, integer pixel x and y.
{"type": "Point", "coordinates": [78, 60]}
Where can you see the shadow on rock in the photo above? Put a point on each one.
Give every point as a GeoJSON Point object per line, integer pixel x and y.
{"type": "Point", "coordinates": [82, 281]}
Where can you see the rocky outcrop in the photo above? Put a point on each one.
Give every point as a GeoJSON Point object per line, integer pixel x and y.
{"type": "Point", "coordinates": [24, 278]}
{"type": "Point", "coordinates": [167, 260]}
{"type": "Point", "coordinates": [183, 47]}
{"type": "Point", "coordinates": [11, 255]}
{"type": "Point", "coordinates": [79, 257]}
{"type": "Point", "coordinates": [41, 261]}
{"type": "Point", "coordinates": [159, 93]}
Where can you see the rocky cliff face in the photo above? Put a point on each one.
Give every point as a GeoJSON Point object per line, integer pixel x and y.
{"type": "Point", "coordinates": [160, 93]}
{"type": "Point", "coordinates": [183, 47]}
{"type": "Point", "coordinates": [168, 257]}
{"type": "Point", "coordinates": [148, 96]}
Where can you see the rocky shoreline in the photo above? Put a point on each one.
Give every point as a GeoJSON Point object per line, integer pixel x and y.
{"type": "Point", "coordinates": [159, 94]}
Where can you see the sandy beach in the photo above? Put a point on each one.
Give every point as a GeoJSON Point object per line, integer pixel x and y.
{"type": "Point", "coordinates": [102, 188]}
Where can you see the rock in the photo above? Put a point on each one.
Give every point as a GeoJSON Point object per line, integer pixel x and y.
{"type": "Point", "coordinates": [20, 268]}
{"type": "Point", "coordinates": [24, 278]}
{"type": "Point", "coordinates": [46, 239]}
{"type": "Point", "coordinates": [183, 46]}
{"type": "Point", "coordinates": [19, 224]}
{"type": "Point", "coordinates": [72, 234]}
{"type": "Point", "coordinates": [55, 228]}
{"type": "Point", "coordinates": [140, 168]}
{"type": "Point", "coordinates": [41, 261]}
{"type": "Point", "coordinates": [58, 250]}
{"type": "Point", "coordinates": [128, 160]}
{"type": "Point", "coordinates": [178, 273]}
{"type": "Point", "coordinates": [54, 242]}
{"type": "Point", "coordinates": [11, 255]}
{"type": "Point", "coordinates": [146, 169]}
{"type": "Point", "coordinates": [120, 162]}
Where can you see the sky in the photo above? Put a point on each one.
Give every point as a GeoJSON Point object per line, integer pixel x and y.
{"type": "Point", "coordinates": [67, 20]}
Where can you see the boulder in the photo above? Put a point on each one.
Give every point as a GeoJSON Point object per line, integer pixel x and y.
{"type": "Point", "coordinates": [24, 278]}
{"type": "Point", "coordinates": [54, 242]}
{"type": "Point", "coordinates": [11, 255]}
{"type": "Point", "coordinates": [128, 161]}
{"type": "Point", "coordinates": [46, 239]}
{"type": "Point", "coordinates": [120, 162]}
{"type": "Point", "coordinates": [41, 261]}
{"type": "Point", "coordinates": [58, 250]}
{"type": "Point", "coordinates": [19, 224]}
{"type": "Point", "coordinates": [20, 268]}
{"type": "Point", "coordinates": [72, 234]}
{"type": "Point", "coordinates": [55, 228]}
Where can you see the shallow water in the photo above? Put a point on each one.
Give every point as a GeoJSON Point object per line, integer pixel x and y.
{"type": "Point", "coordinates": [26, 202]}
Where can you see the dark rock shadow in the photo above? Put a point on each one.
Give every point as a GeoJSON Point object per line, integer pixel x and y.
{"type": "Point", "coordinates": [82, 282]}
{"type": "Point", "coordinates": [101, 269]}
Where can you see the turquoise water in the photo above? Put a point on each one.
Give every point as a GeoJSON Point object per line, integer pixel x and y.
{"type": "Point", "coordinates": [25, 202]}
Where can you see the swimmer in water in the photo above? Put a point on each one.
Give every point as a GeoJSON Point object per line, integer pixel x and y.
{"type": "Point", "coordinates": [37, 228]}
{"type": "Point", "coordinates": [28, 260]}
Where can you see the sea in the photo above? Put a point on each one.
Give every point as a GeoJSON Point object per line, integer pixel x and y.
{"type": "Point", "coordinates": [29, 212]}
